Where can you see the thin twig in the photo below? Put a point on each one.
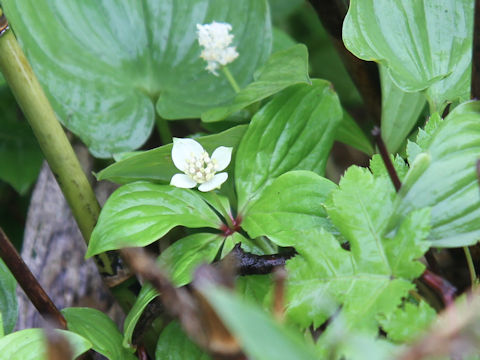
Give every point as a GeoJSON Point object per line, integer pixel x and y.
{"type": "Point", "coordinates": [475, 85]}
{"type": "Point", "coordinates": [386, 158]}
{"type": "Point", "coordinates": [29, 284]}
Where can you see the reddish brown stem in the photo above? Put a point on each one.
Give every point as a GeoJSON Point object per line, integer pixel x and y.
{"type": "Point", "coordinates": [29, 284]}
{"type": "Point", "coordinates": [386, 158]}
{"type": "Point", "coordinates": [441, 286]}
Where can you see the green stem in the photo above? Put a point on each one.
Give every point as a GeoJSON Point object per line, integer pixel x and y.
{"type": "Point", "coordinates": [471, 266]}
{"type": "Point", "coordinates": [56, 148]}
{"type": "Point", "coordinates": [163, 130]}
{"type": "Point", "coordinates": [231, 79]}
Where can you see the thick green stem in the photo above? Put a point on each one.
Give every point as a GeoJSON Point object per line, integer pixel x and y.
{"type": "Point", "coordinates": [231, 79]}
{"type": "Point", "coordinates": [49, 133]}
{"type": "Point", "coordinates": [163, 130]}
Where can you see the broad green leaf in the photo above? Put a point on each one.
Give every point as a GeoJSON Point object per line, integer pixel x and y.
{"type": "Point", "coordinates": [173, 344]}
{"type": "Point", "coordinates": [261, 337]}
{"type": "Point", "coordinates": [294, 201]}
{"type": "Point", "coordinates": [147, 294]}
{"type": "Point", "coordinates": [448, 183]}
{"type": "Point", "coordinates": [20, 156]}
{"type": "Point", "coordinates": [400, 111]}
{"type": "Point", "coordinates": [8, 299]}
{"type": "Point", "coordinates": [117, 62]}
{"type": "Point", "coordinates": [374, 275]}
{"type": "Point", "coordinates": [408, 322]}
{"type": "Point", "coordinates": [283, 69]}
{"type": "Point", "coordinates": [100, 330]}
{"type": "Point", "coordinates": [255, 288]}
{"type": "Point", "coordinates": [157, 166]}
{"type": "Point", "coordinates": [281, 9]}
{"type": "Point", "coordinates": [281, 40]}
{"type": "Point", "coordinates": [294, 131]}
{"type": "Point", "coordinates": [185, 255]}
{"type": "Point", "coordinates": [349, 133]}
{"type": "Point", "coordinates": [250, 246]}
{"type": "Point", "coordinates": [427, 48]}
{"type": "Point", "coordinates": [30, 344]}
{"type": "Point", "coordinates": [139, 213]}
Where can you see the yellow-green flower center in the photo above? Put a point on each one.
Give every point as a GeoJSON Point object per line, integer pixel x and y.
{"type": "Point", "coordinates": [200, 168]}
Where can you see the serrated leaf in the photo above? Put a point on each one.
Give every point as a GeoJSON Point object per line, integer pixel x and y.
{"type": "Point", "coordinates": [283, 69]}
{"type": "Point", "coordinates": [185, 255]}
{"type": "Point", "coordinates": [139, 213]}
{"type": "Point", "coordinates": [400, 111]}
{"type": "Point", "coordinates": [157, 166]}
{"type": "Point", "coordinates": [265, 340]}
{"type": "Point", "coordinates": [20, 156]}
{"type": "Point", "coordinates": [349, 133]}
{"type": "Point", "coordinates": [376, 273]}
{"type": "Point", "coordinates": [294, 131]}
{"type": "Point", "coordinates": [377, 166]}
{"type": "Point", "coordinates": [448, 182]}
{"type": "Point", "coordinates": [428, 48]}
{"type": "Point", "coordinates": [117, 62]}
{"type": "Point", "coordinates": [100, 330]}
{"type": "Point", "coordinates": [8, 299]}
{"type": "Point", "coordinates": [146, 295]}
{"type": "Point", "coordinates": [254, 288]}
{"type": "Point", "coordinates": [423, 137]}
{"type": "Point", "coordinates": [30, 344]}
{"type": "Point", "coordinates": [173, 344]}
{"type": "Point", "coordinates": [294, 201]}
{"type": "Point", "coordinates": [408, 322]}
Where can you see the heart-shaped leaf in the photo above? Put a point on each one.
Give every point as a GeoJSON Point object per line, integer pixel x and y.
{"type": "Point", "coordinates": [448, 181]}
{"type": "Point", "coordinates": [139, 213]}
{"type": "Point", "coordinates": [115, 62]}
{"type": "Point", "coordinates": [294, 131]}
{"type": "Point", "coordinates": [423, 44]}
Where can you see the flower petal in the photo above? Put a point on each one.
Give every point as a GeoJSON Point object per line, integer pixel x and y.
{"type": "Point", "coordinates": [183, 181]}
{"type": "Point", "coordinates": [222, 155]}
{"type": "Point", "coordinates": [214, 183]}
{"type": "Point", "coordinates": [183, 149]}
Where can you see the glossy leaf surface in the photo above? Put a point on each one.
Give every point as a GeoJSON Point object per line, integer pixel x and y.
{"type": "Point", "coordinates": [294, 201]}
{"type": "Point", "coordinates": [8, 299]}
{"type": "Point", "coordinates": [100, 330]}
{"type": "Point", "coordinates": [116, 62]}
{"type": "Point", "coordinates": [400, 111]}
{"type": "Point", "coordinates": [294, 131]}
{"type": "Point", "coordinates": [284, 68]}
{"type": "Point", "coordinates": [448, 183]}
{"type": "Point", "coordinates": [146, 295]}
{"type": "Point", "coordinates": [157, 166]}
{"type": "Point", "coordinates": [173, 344]}
{"type": "Point", "coordinates": [350, 133]}
{"type": "Point", "coordinates": [374, 275]}
{"type": "Point", "coordinates": [423, 44]}
{"type": "Point", "coordinates": [139, 213]}
{"type": "Point", "coordinates": [20, 156]}
{"type": "Point", "coordinates": [30, 344]}
{"type": "Point", "coordinates": [267, 339]}
{"type": "Point", "coordinates": [182, 257]}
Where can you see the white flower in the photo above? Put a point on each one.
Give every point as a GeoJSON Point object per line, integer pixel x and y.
{"type": "Point", "coordinates": [215, 39]}
{"type": "Point", "coordinates": [199, 168]}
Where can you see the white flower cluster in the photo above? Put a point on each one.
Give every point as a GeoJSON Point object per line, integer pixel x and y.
{"type": "Point", "coordinates": [215, 39]}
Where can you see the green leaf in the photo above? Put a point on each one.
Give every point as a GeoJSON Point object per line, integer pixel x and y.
{"type": "Point", "coordinates": [265, 340]}
{"type": "Point", "coordinates": [283, 69]}
{"type": "Point", "coordinates": [147, 294]}
{"type": "Point", "coordinates": [423, 137]}
{"type": "Point", "coordinates": [20, 156]}
{"type": "Point", "coordinates": [407, 323]}
{"type": "Point", "coordinates": [185, 255]}
{"type": "Point", "coordinates": [157, 166]}
{"type": "Point", "coordinates": [429, 46]}
{"type": "Point", "coordinates": [448, 182]}
{"type": "Point", "coordinates": [281, 9]}
{"type": "Point", "coordinates": [116, 62]}
{"type": "Point", "coordinates": [100, 330]}
{"type": "Point", "coordinates": [294, 131]}
{"type": "Point", "coordinates": [139, 213]}
{"type": "Point", "coordinates": [8, 299]}
{"type": "Point", "coordinates": [30, 344]}
{"type": "Point", "coordinates": [173, 344]}
{"type": "Point", "coordinates": [294, 201]}
{"type": "Point", "coordinates": [281, 40]}
{"type": "Point", "coordinates": [371, 278]}
{"type": "Point", "coordinates": [400, 111]}
{"type": "Point", "coordinates": [349, 133]}
{"type": "Point", "coordinates": [255, 288]}
{"type": "Point", "coordinates": [377, 166]}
